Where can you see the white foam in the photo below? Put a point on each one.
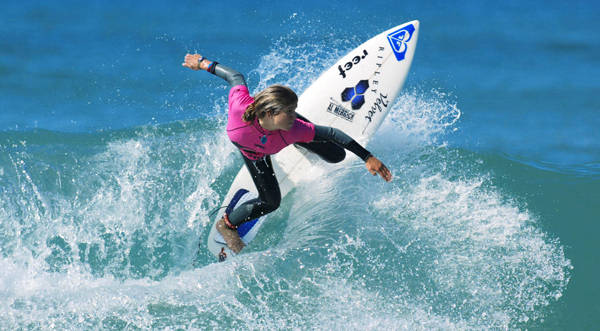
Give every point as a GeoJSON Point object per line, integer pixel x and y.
{"type": "Point", "coordinates": [440, 248]}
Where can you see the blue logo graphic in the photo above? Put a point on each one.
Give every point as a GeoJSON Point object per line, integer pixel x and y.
{"type": "Point", "coordinates": [356, 94]}
{"type": "Point", "coordinates": [399, 40]}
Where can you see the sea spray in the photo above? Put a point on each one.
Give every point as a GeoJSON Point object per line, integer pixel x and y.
{"type": "Point", "coordinates": [100, 231]}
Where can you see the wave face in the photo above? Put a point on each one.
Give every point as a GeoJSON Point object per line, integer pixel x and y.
{"type": "Point", "coordinates": [107, 185]}
{"type": "Point", "coordinates": [101, 230]}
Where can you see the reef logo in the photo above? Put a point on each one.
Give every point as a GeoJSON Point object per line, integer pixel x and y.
{"type": "Point", "coordinates": [355, 60]}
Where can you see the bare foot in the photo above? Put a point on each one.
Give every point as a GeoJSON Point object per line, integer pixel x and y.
{"type": "Point", "coordinates": [231, 236]}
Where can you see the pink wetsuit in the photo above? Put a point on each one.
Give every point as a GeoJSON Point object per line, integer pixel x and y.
{"type": "Point", "coordinates": [256, 144]}
{"type": "Point", "coordinates": [254, 141]}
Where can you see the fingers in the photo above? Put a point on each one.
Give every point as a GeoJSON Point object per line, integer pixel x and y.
{"type": "Point", "coordinates": [385, 173]}
{"type": "Point", "coordinates": [191, 61]}
{"type": "Point", "coordinates": [377, 167]}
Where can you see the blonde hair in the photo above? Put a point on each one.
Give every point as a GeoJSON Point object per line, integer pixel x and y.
{"type": "Point", "coordinates": [270, 101]}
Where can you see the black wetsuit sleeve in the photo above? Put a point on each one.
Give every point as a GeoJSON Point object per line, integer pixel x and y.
{"type": "Point", "coordinates": [323, 133]}
{"type": "Point", "coordinates": [232, 76]}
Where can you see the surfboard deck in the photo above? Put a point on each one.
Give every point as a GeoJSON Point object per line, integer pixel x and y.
{"type": "Point", "coordinates": [354, 95]}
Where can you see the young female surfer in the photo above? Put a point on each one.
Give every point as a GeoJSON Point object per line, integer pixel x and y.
{"type": "Point", "coordinates": [263, 125]}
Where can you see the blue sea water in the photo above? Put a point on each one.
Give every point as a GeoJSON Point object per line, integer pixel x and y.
{"type": "Point", "coordinates": [113, 157]}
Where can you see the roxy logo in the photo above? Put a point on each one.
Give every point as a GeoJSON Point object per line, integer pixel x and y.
{"type": "Point", "coordinates": [348, 66]}
{"type": "Point", "coordinates": [399, 40]}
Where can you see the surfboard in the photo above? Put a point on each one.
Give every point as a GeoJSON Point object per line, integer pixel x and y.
{"type": "Point", "coordinates": [354, 95]}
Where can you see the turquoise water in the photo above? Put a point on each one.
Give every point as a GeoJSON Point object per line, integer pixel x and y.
{"type": "Point", "coordinates": [112, 159]}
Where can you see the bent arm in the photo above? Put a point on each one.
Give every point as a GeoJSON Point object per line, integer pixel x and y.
{"type": "Point", "coordinates": [232, 76]}
{"type": "Point", "coordinates": [373, 164]}
{"type": "Point", "coordinates": [323, 133]}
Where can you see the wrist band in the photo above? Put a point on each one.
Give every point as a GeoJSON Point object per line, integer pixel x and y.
{"type": "Point", "coordinates": [202, 58]}
{"type": "Point", "coordinates": [211, 67]}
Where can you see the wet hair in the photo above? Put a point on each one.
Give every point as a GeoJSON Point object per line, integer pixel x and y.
{"type": "Point", "coordinates": [270, 101]}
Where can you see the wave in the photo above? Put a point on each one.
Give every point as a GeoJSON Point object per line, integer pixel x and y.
{"type": "Point", "coordinates": [99, 230]}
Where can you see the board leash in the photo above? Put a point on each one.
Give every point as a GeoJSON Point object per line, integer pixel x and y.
{"type": "Point", "coordinates": [212, 213]}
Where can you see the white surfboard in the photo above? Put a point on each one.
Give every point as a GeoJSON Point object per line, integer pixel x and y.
{"type": "Point", "coordinates": [354, 95]}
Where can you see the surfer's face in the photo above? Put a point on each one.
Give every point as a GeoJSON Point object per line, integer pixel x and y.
{"type": "Point", "coordinates": [284, 120]}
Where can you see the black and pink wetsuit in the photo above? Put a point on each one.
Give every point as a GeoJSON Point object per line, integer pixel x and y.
{"type": "Point", "coordinates": [257, 144]}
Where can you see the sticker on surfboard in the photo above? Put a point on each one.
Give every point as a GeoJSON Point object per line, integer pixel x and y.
{"type": "Point", "coordinates": [399, 41]}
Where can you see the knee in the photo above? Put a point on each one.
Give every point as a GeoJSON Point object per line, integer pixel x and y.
{"type": "Point", "coordinates": [270, 202]}
{"type": "Point", "coordinates": [335, 155]}
{"type": "Point", "coordinates": [271, 205]}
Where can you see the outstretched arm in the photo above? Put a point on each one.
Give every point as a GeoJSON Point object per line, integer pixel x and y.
{"type": "Point", "coordinates": [192, 62]}
{"type": "Point", "coordinates": [198, 62]}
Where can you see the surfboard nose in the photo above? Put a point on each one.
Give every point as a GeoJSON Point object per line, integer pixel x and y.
{"type": "Point", "coordinates": [412, 26]}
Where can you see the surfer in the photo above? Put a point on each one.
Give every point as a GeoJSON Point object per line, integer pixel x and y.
{"type": "Point", "coordinates": [263, 125]}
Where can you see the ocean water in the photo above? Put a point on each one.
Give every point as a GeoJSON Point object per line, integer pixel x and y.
{"type": "Point", "coordinates": [113, 158]}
